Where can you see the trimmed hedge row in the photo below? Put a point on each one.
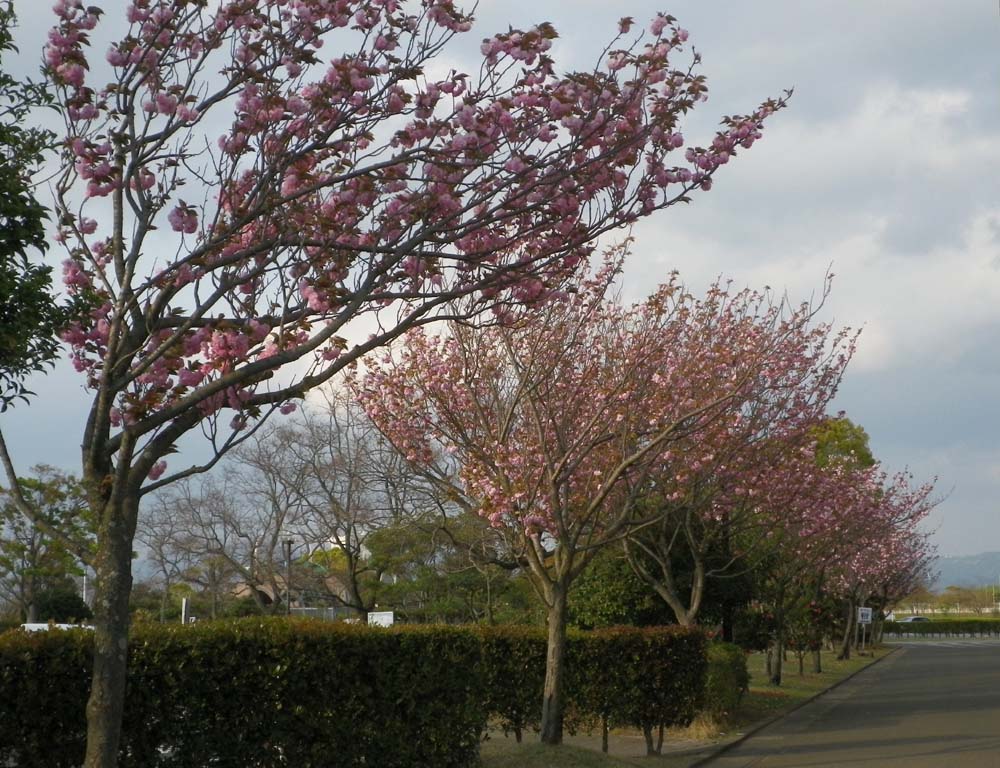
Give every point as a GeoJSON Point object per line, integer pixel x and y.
{"type": "Point", "coordinates": [727, 680]}
{"type": "Point", "coordinates": [622, 676]}
{"type": "Point", "coordinates": [944, 628]}
{"type": "Point", "coordinates": [263, 693]}
{"type": "Point", "coordinates": [252, 693]}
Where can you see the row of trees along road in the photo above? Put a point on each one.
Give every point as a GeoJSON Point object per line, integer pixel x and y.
{"type": "Point", "coordinates": [232, 202]}
{"type": "Point", "coordinates": [678, 427]}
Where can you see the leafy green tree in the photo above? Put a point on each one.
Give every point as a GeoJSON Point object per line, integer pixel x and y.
{"type": "Point", "coordinates": [33, 560]}
{"type": "Point", "coordinates": [840, 439]}
{"type": "Point", "coordinates": [610, 593]}
{"type": "Point", "coordinates": [446, 569]}
{"type": "Point", "coordinates": [61, 602]}
{"type": "Point", "coordinates": [29, 314]}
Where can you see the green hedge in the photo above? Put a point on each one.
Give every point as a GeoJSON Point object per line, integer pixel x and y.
{"type": "Point", "coordinates": [641, 678]}
{"type": "Point", "coordinates": [44, 682]}
{"type": "Point", "coordinates": [277, 692]}
{"type": "Point", "coordinates": [510, 654]}
{"type": "Point", "coordinates": [727, 679]}
{"type": "Point", "coordinates": [253, 693]}
{"type": "Point", "coordinates": [620, 676]}
{"type": "Point", "coordinates": [944, 628]}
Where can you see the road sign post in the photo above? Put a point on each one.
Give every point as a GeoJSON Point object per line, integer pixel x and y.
{"type": "Point", "coordinates": [864, 619]}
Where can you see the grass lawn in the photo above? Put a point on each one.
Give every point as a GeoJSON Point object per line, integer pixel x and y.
{"type": "Point", "coordinates": [766, 700]}
{"type": "Point", "coordinates": [627, 748]}
{"type": "Point", "coordinates": [506, 753]}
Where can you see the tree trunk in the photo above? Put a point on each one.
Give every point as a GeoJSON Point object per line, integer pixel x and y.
{"type": "Point", "coordinates": [489, 602]}
{"type": "Point", "coordinates": [647, 733]}
{"type": "Point", "coordinates": [727, 622]}
{"type": "Point", "coordinates": [666, 588]}
{"type": "Point", "coordinates": [779, 640]}
{"type": "Point", "coordinates": [845, 646]}
{"type": "Point", "coordinates": [604, 733]}
{"type": "Point", "coordinates": [552, 696]}
{"type": "Point", "coordinates": [213, 592]}
{"type": "Point", "coordinates": [29, 590]}
{"type": "Point", "coordinates": [113, 571]}
{"type": "Point", "coordinates": [163, 602]}
{"type": "Point", "coordinates": [653, 748]}
{"type": "Point", "coordinates": [779, 652]}
{"type": "Point", "coordinates": [817, 660]}
{"type": "Point", "coordinates": [727, 606]}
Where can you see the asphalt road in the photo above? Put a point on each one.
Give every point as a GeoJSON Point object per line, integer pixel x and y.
{"type": "Point", "coordinates": [934, 704]}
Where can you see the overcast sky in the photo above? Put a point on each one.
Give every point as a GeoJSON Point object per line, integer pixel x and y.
{"type": "Point", "coordinates": [883, 169]}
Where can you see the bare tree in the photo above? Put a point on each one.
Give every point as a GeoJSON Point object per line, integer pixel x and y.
{"type": "Point", "coordinates": [240, 519]}
{"type": "Point", "coordinates": [168, 546]}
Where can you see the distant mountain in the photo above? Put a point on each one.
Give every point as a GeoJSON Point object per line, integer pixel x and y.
{"type": "Point", "coordinates": [968, 571]}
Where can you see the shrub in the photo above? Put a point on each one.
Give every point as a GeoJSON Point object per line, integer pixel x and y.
{"type": "Point", "coordinates": [513, 676]}
{"type": "Point", "coordinates": [944, 627]}
{"type": "Point", "coordinates": [44, 683]}
{"type": "Point", "coordinates": [277, 692]}
{"type": "Point", "coordinates": [641, 678]}
{"type": "Point", "coordinates": [666, 670]}
{"type": "Point", "coordinates": [727, 679]}
{"type": "Point", "coordinates": [753, 629]}
{"type": "Point", "coordinates": [253, 693]}
{"type": "Point", "coordinates": [62, 604]}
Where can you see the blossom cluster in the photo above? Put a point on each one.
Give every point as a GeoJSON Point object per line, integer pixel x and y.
{"type": "Point", "coordinates": [552, 416]}
{"type": "Point", "coordinates": [343, 183]}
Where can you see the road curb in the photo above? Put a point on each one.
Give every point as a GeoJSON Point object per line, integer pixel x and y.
{"type": "Point", "coordinates": [724, 747]}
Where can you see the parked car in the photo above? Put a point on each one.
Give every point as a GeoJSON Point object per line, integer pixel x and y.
{"type": "Point", "coordinates": [911, 619]}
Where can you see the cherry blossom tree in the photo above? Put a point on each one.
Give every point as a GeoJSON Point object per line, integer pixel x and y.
{"type": "Point", "coordinates": [707, 489]}
{"type": "Point", "coordinates": [235, 196]}
{"type": "Point", "coordinates": [552, 424]}
{"type": "Point", "coordinates": [836, 521]}
{"type": "Point", "coordinates": [890, 554]}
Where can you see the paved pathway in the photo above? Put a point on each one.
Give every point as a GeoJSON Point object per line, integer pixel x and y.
{"type": "Point", "coordinates": [933, 704]}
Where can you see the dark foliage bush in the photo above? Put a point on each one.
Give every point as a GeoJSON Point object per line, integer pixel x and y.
{"type": "Point", "coordinates": [618, 676]}
{"type": "Point", "coordinates": [727, 679]}
{"type": "Point", "coordinates": [944, 628]}
{"type": "Point", "coordinates": [513, 675]}
{"type": "Point", "coordinates": [253, 693]}
{"type": "Point", "coordinates": [277, 692]}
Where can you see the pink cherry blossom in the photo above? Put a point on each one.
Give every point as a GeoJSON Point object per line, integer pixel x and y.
{"type": "Point", "coordinates": [183, 219]}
